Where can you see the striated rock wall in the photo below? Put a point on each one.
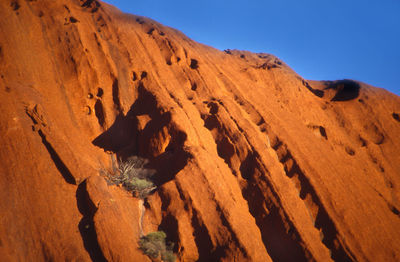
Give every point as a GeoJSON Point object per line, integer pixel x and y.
{"type": "Point", "coordinates": [254, 163]}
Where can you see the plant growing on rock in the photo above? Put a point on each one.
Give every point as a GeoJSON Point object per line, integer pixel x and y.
{"type": "Point", "coordinates": [153, 245]}
{"type": "Point", "coordinates": [133, 176]}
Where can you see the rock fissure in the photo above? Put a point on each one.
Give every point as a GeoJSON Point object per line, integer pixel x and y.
{"type": "Point", "coordinates": [273, 225]}
{"type": "Point", "coordinates": [321, 219]}
{"type": "Point", "coordinates": [86, 225]}
{"type": "Point", "coordinates": [39, 123]}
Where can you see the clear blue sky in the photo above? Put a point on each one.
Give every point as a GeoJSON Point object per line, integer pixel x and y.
{"type": "Point", "coordinates": [319, 39]}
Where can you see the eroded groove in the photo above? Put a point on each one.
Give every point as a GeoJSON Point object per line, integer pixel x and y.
{"type": "Point", "coordinates": [203, 241]}
{"type": "Point", "coordinates": [316, 92]}
{"type": "Point", "coordinates": [99, 112]}
{"type": "Point", "coordinates": [322, 221]}
{"type": "Point", "coordinates": [235, 240]}
{"type": "Point", "coordinates": [38, 122]}
{"type": "Point", "coordinates": [169, 225]}
{"type": "Point", "coordinates": [396, 117]}
{"type": "Point", "coordinates": [279, 235]}
{"type": "Point", "coordinates": [86, 225]}
{"type": "Point", "coordinates": [61, 167]}
{"type": "Point", "coordinates": [115, 95]}
{"type": "Point", "coordinates": [206, 250]}
{"type": "Point", "coordinates": [251, 169]}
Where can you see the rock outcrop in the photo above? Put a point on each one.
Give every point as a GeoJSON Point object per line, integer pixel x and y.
{"type": "Point", "coordinates": [254, 163]}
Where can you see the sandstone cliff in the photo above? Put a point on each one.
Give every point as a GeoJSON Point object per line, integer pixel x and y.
{"type": "Point", "coordinates": [254, 163]}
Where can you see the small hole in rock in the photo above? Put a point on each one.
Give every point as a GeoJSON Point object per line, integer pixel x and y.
{"type": "Point", "coordinates": [143, 75]}
{"type": "Point", "coordinates": [396, 117]}
{"type": "Point", "coordinates": [99, 112]}
{"type": "Point", "coordinates": [213, 108]}
{"type": "Point", "coordinates": [350, 151]}
{"type": "Point", "coordinates": [363, 142]}
{"type": "Point", "coordinates": [194, 64]}
{"type": "Point", "coordinates": [150, 31]}
{"type": "Point", "coordinates": [194, 86]}
{"type": "Point", "coordinates": [100, 92]}
{"type": "Point", "coordinates": [323, 132]}
{"type": "Point", "coordinates": [15, 5]}
{"type": "Point", "coordinates": [73, 19]}
{"type": "Point", "coordinates": [134, 76]}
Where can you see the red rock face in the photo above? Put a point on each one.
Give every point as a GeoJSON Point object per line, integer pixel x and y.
{"type": "Point", "coordinates": [253, 162]}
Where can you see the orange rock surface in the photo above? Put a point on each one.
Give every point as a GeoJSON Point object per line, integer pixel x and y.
{"type": "Point", "coordinates": [254, 163]}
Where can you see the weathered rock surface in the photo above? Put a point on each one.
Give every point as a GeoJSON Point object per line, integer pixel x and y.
{"type": "Point", "coordinates": [253, 162]}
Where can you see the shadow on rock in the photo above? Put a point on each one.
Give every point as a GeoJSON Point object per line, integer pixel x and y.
{"type": "Point", "coordinates": [157, 139]}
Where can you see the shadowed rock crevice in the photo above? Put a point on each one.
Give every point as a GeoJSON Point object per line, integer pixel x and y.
{"type": "Point", "coordinates": [279, 237]}
{"type": "Point", "coordinates": [100, 92]}
{"type": "Point", "coordinates": [320, 130]}
{"type": "Point", "coordinates": [203, 240]}
{"type": "Point", "coordinates": [156, 139]}
{"type": "Point", "coordinates": [316, 92]}
{"type": "Point", "coordinates": [345, 90]}
{"type": "Point", "coordinates": [134, 76]}
{"type": "Point", "coordinates": [61, 167]}
{"type": "Point", "coordinates": [115, 95]}
{"type": "Point", "coordinates": [396, 117]}
{"type": "Point", "coordinates": [86, 225]}
{"type": "Point", "coordinates": [207, 251]}
{"type": "Point", "coordinates": [273, 226]}
{"type": "Point", "coordinates": [120, 135]}
{"type": "Point", "coordinates": [15, 5]}
{"type": "Point", "coordinates": [322, 221]}
{"type": "Point", "coordinates": [38, 121]}
{"type": "Point", "coordinates": [93, 5]}
{"type": "Point", "coordinates": [99, 112]}
{"type": "Point", "coordinates": [194, 64]}
{"type": "Point", "coordinates": [169, 225]}
{"type": "Point", "coordinates": [234, 241]}
{"type": "Point", "coordinates": [374, 133]}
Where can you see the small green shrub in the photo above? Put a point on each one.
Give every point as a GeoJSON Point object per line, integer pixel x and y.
{"type": "Point", "coordinates": [153, 245]}
{"type": "Point", "coordinates": [168, 256]}
{"type": "Point", "coordinates": [133, 176]}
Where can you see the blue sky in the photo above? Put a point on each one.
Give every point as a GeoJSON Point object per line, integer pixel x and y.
{"type": "Point", "coordinates": [319, 39]}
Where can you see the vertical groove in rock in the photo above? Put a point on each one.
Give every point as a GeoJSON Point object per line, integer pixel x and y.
{"type": "Point", "coordinates": [86, 225]}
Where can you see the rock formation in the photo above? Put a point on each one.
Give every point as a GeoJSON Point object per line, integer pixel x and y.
{"type": "Point", "coordinates": [254, 163]}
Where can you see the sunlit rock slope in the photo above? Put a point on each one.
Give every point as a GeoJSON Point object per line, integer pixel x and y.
{"type": "Point", "coordinates": [254, 163]}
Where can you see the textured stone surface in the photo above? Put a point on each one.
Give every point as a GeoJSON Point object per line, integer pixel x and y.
{"type": "Point", "coordinates": [254, 163]}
